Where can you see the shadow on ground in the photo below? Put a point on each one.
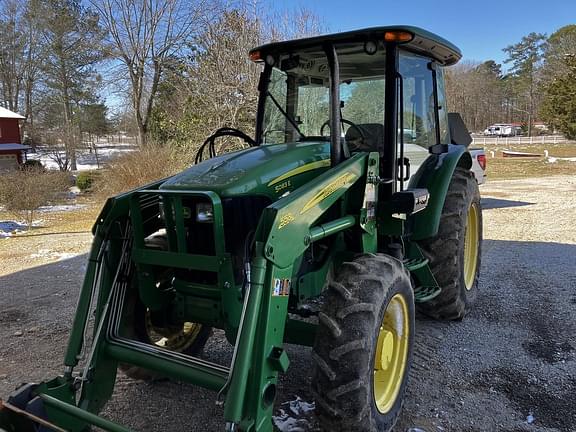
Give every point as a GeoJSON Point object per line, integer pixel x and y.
{"type": "Point", "coordinates": [494, 203]}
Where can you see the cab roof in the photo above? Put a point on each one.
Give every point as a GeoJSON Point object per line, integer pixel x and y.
{"type": "Point", "coordinates": [423, 43]}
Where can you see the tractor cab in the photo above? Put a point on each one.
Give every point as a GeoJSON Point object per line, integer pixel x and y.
{"type": "Point", "coordinates": [379, 89]}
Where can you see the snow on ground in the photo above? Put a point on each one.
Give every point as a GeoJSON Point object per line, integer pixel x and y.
{"type": "Point", "coordinates": [7, 228]}
{"type": "Point", "coordinates": [61, 208]}
{"type": "Point", "coordinates": [294, 415]}
{"type": "Point", "coordinates": [50, 254]}
{"type": "Point", "coordinates": [85, 159]}
{"type": "Point", "coordinates": [10, 227]}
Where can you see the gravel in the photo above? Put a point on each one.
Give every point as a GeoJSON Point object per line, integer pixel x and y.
{"type": "Point", "coordinates": [509, 366]}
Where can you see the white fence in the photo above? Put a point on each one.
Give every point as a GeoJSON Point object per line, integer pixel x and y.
{"type": "Point", "coordinates": [544, 139]}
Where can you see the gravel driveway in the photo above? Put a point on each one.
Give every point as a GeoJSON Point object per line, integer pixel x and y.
{"type": "Point", "coordinates": [509, 366]}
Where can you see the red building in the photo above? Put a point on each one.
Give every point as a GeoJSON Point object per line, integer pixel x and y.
{"type": "Point", "coordinates": [12, 152]}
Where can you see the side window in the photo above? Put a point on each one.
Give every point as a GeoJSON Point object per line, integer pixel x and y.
{"type": "Point", "coordinates": [313, 108]}
{"type": "Point", "coordinates": [443, 110]}
{"type": "Point", "coordinates": [418, 102]}
{"type": "Point", "coordinates": [274, 120]}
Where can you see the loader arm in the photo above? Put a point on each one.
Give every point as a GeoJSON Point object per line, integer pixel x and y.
{"type": "Point", "coordinates": [284, 233]}
{"type": "Point", "coordinates": [286, 229]}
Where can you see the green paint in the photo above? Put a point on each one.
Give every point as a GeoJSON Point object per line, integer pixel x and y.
{"type": "Point", "coordinates": [73, 411]}
{"type": "Point", "coordinates": [320, 232]}
{"type": "Point", "coordinates": [254, 170]}
{"type": "Point", "coordinates": [435, 175]}
{"type": "Point", "coordinates": [210, 378]}
{"type": "Point", "coordinates": [424, 42]}
{"type": "Point", "coordinates": [305, 206]}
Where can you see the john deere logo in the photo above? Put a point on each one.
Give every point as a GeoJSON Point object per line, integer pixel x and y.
{"type": "Point", "coordinates": [341, 181]}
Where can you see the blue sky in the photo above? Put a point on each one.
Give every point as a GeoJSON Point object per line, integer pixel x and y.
{"type": "Point", "coordinates": [479, 28]}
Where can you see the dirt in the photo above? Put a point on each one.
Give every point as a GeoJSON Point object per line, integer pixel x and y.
{"type": "Point", "coordinates": [509, 366]}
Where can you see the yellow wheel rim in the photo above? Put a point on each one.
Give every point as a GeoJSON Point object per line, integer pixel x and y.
{"type": "Point", "coordinates": [471, 246]}
{"type": "Point", "coordinates": [174, 339]}
{"type": "Point", "coordinates": [391, 354]}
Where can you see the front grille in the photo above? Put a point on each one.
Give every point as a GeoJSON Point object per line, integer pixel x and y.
{"type": "Point", "coordinates": [241, 217]}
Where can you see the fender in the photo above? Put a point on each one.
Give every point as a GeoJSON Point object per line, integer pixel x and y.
{"type": "Point", "coordinates": [435, 175]}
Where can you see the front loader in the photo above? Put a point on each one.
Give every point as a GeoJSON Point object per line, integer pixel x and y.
{"type": "Point", "coordinates": [351, 207]}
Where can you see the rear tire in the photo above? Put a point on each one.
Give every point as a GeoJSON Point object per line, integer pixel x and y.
{"type": "Point", "coordinates": [363, 347]}
{"type": "Point", "coordinates": [456, 251]}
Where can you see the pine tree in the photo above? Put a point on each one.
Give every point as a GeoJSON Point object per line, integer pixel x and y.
{"type": "Point", "coordinates": [73, 46]}
{"type": "Point", "coordinates": [526, 57]}
{"type": "Point", "coordinates": [559, 105]}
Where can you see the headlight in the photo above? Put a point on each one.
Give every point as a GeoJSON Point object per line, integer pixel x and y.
{"type": "Point", "coordinates": [204, 213]}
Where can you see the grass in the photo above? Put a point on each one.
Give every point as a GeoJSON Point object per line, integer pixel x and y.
{"type": "Point", "coordinates": [59, 232]}
{"type": "Point", "coordinates": [78, 220]}
{"type": "Point", "coordinates": [500, 168]}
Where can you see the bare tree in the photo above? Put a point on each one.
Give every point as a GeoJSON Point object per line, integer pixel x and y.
{"type": "Point", "coordinates": [144, 35]}
{"type": "Point", "coordinates": [20, 55]}
{"type": "Point", "coordinates": [18, 43]}
{"type": "Point", "coordinates": [217, 86]}
{"type": "Point", "coordinates": [33, 57]}
{"type": "Point", "coordinates": [296, 23]}
{"type": "Point", "coordinates": [560, 46]}
{"type": "Point", "coordinates": [526, 58]}
{"type": "Point", "coordinates": [11, 52]}
{"type": "Point", "coordinates": [478, 92]}
{"type": "Point", "coordinates": [222, 80]}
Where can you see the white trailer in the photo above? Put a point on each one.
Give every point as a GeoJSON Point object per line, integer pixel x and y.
{"type": "Point", "coordinates": [501, 130]}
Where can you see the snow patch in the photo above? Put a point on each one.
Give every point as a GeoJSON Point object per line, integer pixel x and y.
{"type": "Point", "coordinates": [61, 208]}
{"type": "Point", "coordinates": [295, 416]}
{"type": "Point", "coordinates": [8, 228]}
{"type": "Point", "coordinates": [50, 254]}
{"type": "Point", "coordinates": [85, 160]}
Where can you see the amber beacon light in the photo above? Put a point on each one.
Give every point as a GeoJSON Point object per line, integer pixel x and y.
{"type": "Point", "coordinates": [398, 36]}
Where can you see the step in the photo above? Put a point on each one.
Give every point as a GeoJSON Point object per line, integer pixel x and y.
{"type": "Point", "coordinates": [415, 263]}
{"type": "Point", "coordinates": [425, 293]}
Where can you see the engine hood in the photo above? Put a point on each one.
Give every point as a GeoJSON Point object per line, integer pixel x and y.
{"type": "Point", "coordinates": [269, 170]}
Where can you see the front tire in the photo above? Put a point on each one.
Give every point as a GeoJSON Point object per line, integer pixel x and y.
{"type": "Point", "coordinates": [456, 251]}
{"type": "Point", "coordinates": [188, 338]}
{"type": "Point", "coordinates": [363, 348]}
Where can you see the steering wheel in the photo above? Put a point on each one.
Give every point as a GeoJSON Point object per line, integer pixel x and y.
{"type": "Point", "coordinates": [356, 142]}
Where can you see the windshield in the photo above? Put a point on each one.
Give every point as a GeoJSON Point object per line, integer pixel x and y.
{"type": "Point", "coordinates": [297, 100]}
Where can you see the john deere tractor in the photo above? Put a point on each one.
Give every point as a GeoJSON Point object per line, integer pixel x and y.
{"type": "Point", "coordinates": [352, 206]}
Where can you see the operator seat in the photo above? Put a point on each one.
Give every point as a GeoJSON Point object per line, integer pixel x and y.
{"type": "Point", "coordinates": [373, 137]}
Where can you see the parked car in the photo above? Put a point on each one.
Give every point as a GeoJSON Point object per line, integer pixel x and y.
{"type": "Point", "coordinates": [478, 164]}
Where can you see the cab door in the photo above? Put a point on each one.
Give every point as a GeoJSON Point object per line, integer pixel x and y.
{"type": "Point", "coordinates": [417, 116]}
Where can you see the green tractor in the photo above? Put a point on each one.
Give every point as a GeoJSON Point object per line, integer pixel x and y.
{"type": "Point", "coordinates": [352, 207]}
